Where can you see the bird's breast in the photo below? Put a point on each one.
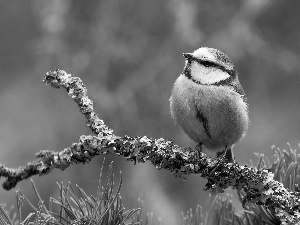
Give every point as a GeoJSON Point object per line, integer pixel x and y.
{"type": "Point", "coordinates": [216, 116]}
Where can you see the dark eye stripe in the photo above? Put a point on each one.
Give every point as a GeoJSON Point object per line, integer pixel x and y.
{"type": "Point", "coordinates": [207, 64]}
{"type": "Point", "coordinates": [212, 64]}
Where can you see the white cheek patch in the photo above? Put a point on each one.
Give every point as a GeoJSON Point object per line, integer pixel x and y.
{"type": "Point", "coordinates": [207, 75]}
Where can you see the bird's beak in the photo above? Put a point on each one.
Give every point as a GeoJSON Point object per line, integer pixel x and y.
{"type": "Point", "coordinates": [188, 56]}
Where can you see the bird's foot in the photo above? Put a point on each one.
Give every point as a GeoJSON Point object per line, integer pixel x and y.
{"type": "Point", "coordinates": [198, 150]}
{"type": "Point", "coordinates": [227, 154]}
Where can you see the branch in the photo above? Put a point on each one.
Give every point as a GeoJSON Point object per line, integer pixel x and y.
{"type": "Point", "coordinates": [259, 185]}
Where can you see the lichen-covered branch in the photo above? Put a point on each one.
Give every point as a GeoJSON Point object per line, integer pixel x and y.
{"type": "Point", "coordinates": [259, 185]}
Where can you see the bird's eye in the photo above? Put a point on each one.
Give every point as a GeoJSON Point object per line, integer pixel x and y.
{"type": "Point", "coordinates": [206, 64]}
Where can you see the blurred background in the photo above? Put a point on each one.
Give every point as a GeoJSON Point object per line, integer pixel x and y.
{"type": "Point", "coordinates": [128, 54]}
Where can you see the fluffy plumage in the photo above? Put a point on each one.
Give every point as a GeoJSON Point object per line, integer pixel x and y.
{"type": "Point", "coordinates": [207, 100]}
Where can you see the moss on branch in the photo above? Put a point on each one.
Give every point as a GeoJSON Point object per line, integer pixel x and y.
{"type": "Point", "coordinates": [258, 185]}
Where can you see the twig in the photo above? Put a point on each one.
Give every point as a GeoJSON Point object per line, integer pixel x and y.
{"type": "Point", "coordinates": [259, 186]}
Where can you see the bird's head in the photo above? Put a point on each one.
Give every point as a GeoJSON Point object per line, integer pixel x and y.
{"type": "Point", "coordinates": [209, 66]}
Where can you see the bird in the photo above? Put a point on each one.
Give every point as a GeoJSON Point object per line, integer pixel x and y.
{"type": "Point", "coordinates": [209, 103]}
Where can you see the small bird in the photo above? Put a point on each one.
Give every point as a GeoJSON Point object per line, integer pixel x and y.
{"type": "Point", "coordinates": [208, 101]}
